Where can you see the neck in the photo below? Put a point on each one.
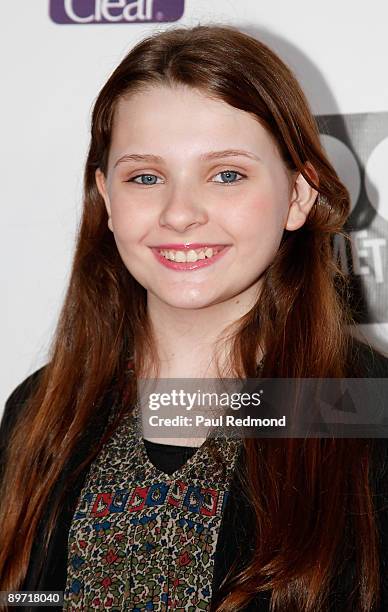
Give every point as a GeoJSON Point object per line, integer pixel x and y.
{"type": "Point", "coordinates": [186, 338]}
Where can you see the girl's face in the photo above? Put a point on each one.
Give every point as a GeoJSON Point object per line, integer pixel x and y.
{"type": "Point", "coordinates": [197, 197]}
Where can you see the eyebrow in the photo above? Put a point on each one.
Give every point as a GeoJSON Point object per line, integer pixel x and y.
{"type": "Point", "coordinates": [204, 157]}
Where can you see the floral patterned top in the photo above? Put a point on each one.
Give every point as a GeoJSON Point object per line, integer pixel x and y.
{"type": "Point", "coordinates": [142, 539]}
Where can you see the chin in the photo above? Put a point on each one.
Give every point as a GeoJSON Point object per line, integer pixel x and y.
{"type": "Point", "coordinates": [187, 302]}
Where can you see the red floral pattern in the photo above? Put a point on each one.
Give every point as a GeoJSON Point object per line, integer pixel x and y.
{"type": "Point", "coordinates": [141, 539]}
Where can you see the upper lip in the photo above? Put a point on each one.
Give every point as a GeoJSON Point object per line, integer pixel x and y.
{"type": "Point", "coordinates": [187, 246]}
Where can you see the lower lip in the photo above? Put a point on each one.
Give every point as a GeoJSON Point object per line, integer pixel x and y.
{"type": "Point", "coordinates": [190, 265]}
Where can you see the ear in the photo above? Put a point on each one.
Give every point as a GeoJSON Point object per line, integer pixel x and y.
{"type": "Point", "coordinates": [101, 186]}
{"type": "Point", "coordinates": [302, 199]}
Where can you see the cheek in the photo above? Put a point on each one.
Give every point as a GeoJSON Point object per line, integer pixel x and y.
{"type": "Point", "coordinates": [129, 221]}
{"type": "Point", "coordinates": [261, 216]}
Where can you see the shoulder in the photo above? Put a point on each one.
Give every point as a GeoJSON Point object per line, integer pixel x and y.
{"type": "Point", "coordinates": [367, 361]}
{"type": "Point", "coordinates": [15, 403]}
{"type": "Point", "coordinates": [372, 363]}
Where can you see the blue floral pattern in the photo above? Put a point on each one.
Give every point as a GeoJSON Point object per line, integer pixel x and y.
{"type": "Point", "coordinates": [141, 539]}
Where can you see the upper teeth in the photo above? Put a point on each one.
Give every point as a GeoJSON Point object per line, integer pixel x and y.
{"type": "Point", "coordinates": [191, 255]}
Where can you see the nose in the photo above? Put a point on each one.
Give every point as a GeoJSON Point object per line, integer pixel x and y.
{"type": "Point", "coordinates": [182, 210]}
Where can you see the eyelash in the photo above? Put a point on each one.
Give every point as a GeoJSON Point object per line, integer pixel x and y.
{"type": "Point", "coordinates": [243, 176]}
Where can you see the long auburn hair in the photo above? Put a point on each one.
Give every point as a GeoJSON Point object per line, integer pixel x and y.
{"type": "Point", "coordinates": [307, 495]}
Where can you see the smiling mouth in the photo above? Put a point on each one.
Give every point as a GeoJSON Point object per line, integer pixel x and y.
{"type": "Point", "coordinates": [191, 255]}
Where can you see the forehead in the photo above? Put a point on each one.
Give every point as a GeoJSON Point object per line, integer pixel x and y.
{"type": "Point", "coordinates": [180, 118]}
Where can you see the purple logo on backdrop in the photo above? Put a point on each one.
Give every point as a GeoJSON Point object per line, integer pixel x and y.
{"type": "Point", "coordinates": [115, 11]}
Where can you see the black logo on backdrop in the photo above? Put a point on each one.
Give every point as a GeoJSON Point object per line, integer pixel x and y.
{"type": "Point", "coordinates": [357, 145]}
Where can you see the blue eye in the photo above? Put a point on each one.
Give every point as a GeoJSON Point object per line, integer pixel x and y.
{"type": "Point", "coordinates": [230, 176]}
{"type": "Point", "coordinates": [149, 179]}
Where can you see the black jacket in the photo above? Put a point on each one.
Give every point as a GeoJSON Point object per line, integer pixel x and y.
{"type": "Point", "coordinates": [234, 541]}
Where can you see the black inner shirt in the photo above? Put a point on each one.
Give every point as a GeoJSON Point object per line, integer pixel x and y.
{"type": "Point", "coordinates": [166, 457]}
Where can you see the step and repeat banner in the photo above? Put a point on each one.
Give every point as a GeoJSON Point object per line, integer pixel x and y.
{"type": "Point", "coordinates": [56, 55]}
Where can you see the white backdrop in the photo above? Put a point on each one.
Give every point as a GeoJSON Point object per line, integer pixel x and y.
{"type": "Point", "coordinates": [51, 74]}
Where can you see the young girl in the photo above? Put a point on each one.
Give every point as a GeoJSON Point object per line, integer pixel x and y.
{"type": "Point", "coordinates": [204, 252]}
